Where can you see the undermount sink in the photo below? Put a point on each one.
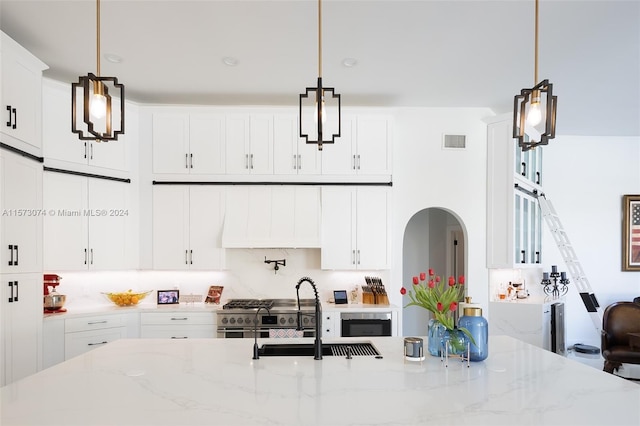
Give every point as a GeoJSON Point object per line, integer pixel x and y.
{"type": "Point", "coordinates": [328, 349]}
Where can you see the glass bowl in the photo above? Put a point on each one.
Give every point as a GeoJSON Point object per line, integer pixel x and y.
{"type": "Point", "coordinates": [127, 298]}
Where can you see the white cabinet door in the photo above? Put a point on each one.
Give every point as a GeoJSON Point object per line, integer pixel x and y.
{"type": "Point", "coordinates": [372, 230]}
{"type": "Point", "coordinates": [373, 136]}
{"type": "Point", "coordinates": [207, 143]}
{"type": "Point", "coordinates": [187, 227]}
{"type": "Point", "coordinates": [21, 309]}
{"type": "Point", "coordinates": [170, 143]}
{"type": "Point", "coordinates": [291, 155]}
{"type": "Point", "coordinates": [21, 215]}
{"type": "Point", "coordinates": [60, 144]}
{"type": "Point", "coordinates": [93, 216]}
{"type": "Point", "coordinates": [355, 230]}
{"type": "Point", "coordinates": [237, 144]}
{"type": "Point", "coordinates": [338, 228]}
{"type": "Point", "coordinates": [21, 95]}
{"type": "Point", "coordinates": [249, 144]}
{"type": "Point", "coordinates": [339, 158]}
{"type": "Point", "coordinates": [206, 216]}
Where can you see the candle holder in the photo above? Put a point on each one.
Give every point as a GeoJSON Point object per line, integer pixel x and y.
{"type": "Point", "coordinates": [555, 283]}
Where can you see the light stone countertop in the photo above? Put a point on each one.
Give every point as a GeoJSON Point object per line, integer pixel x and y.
{"type": "Point", "coordinates": [216, 382]}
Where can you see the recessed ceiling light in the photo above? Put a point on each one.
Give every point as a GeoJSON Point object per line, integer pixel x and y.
{"type": "Point", "coordinates": [349, 62]}
{"type": "Point", "coordinates": [230, 61]}
{"type": "Point", "coordinates": [115, 59]}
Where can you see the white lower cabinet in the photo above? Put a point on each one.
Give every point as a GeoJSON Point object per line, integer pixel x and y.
{"type": "Point", "coordinates": [21, 327]}
{"type": "Point", "coordinates": [529, 322]}
{"type": "Point", "coordinates": [331, 324]}
{"type": "Point", "coordinates": [177, 325]}
{"type": "Point", "coordinates": [87, 333]}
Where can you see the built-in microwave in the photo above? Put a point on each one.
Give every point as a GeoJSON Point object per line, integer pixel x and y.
{"type": "Point", "coordinates": [362, 324]}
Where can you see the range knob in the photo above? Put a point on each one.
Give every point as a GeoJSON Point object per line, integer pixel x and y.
{"type": "Point", "coordinates": [232, 321]}
{"type": "Point", "coordinates": [240, 321]}
{"type": "Point", "coordinates": [225, 320]}
{"type": "Point", "coordinates": [283, 321]}
{"type": "Point", "coordinates": [248, 321]}
{"type": "Point", "coordinates": [305, 320]}
{"type": "Point", "coordinates": [291, 320]}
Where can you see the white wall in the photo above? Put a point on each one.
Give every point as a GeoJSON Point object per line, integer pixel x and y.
{"type": "Point", "coordinates": [585, 179]}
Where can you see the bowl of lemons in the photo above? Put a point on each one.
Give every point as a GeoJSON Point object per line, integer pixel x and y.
{"type": "Point", "coordinates": [127, 298]}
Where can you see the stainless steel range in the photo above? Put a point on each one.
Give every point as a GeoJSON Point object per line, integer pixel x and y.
{"type": "Point", "coordinates": [240, 317]}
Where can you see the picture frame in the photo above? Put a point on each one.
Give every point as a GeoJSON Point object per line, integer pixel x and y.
{"type": "Point", "coordinates": [631, 232]}
{"type": "Point", "coordinates": [168, 297]}
{"type": "Point", "coordinates": [214, 294]}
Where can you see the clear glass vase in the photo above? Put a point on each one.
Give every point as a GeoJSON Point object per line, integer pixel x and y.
{"type": "Point", "coordinates": [435, 336]}
{"type": "Point", "coordinates": [438, 336]}
{"type": "Point", "coordinates": [456, 341]}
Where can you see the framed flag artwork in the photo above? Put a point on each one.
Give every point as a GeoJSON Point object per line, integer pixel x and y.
{"type": "Point", "coordinates": [631, 233]}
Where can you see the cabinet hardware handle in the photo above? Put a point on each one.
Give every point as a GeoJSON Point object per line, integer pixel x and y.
{"type": "Point", "coordinates": [15, 262]}
{"type": "Point", "coordinates": [295, 166]}
{"type": "Point", "coordinates": [9, 109]}
{"type": "Point", "coordinates": [17, 287]}
{"type": "Point", "coordinates": [523, 256]}
{"type": "Point", "coordinates": [251, 161]}
{"type": "Point", "coordinates": [353, 257]}
{"type": "Point", "coordinates": [191, 257]}
{"type": "Point", "coordinates": [299, 162]}
{"type": "Point", "coordinates": [358, 256]}
{"type": "Point", "coordinates": [96, 322]}
{"type": "Point", "coordinates": [91, 256]}
{"type": "Point", "coordinates": [354, 162]}
{"type": "Point", "coordinates": [10, 284]}
{"type": "Point", "coordinates": [538, 178]}
{"type": "Point", "coordinates": [11, 251]}
{"type": "Point", "coordinates": [96, 344]}
{"type": "Point", "coordinates": [246, 161]}
{"type": "Point", "coordinates": [183, 337]}
{"type": "Point", "coordinates": [524, 169]}
{"type": "Point", "coordinates": [537, 257]}
{"type": "Point", "coordinates": [15, 118]}
{"type": "Point", "coordinates": [186, 160]}
{"type": "Point", "coordinates": [178, 319]}
{"type": "Point", "coordinates": [191, 161]}
{"type": "Point", "coordinates": [85, 150]}
{"type": "Point", "coordinates": [90, 151]}
{"type": "Point", "coordinates": [186, 257]}
{"type": "Point", "coordinates": [358, 161]}
{"type": "Point", "coordinates": [85, 256]}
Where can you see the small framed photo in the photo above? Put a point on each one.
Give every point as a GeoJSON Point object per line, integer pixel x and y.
{"type": "Point", "coordinates": [168, 297]}
{"type": "Point", "coordinates": [631, 233]}
{"type": "Point", "coordinates": [215, 292]}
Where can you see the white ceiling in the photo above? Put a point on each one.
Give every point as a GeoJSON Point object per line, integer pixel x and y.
{"type": "Point", "coordinates": [452, 53]}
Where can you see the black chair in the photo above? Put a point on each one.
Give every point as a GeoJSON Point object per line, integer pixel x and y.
{"type": "Point", "coordinates": [620, 341]}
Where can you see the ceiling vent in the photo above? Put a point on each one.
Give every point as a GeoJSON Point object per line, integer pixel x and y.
{"type": "Point", "coordinates": [454, 142]}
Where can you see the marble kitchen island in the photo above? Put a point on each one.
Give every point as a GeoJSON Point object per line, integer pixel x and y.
{"type": "Point", "coordinates": [216, 382]}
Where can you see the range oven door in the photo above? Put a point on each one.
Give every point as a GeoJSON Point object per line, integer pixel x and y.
{"type": "Point", "coordinates": [362, 324]}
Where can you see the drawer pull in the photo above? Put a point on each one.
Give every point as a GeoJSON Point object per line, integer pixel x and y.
{"type": "Point", "coordinates": [179, 319]}
{"type": "Point", "coordinates": [97, 322]}
{"type": "Point", "coordinates": [96, 344]}
{"type": "Point", "coordinates": [184, 337]}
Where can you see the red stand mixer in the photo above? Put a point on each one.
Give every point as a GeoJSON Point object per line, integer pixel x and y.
{"type": "Point", "coordinates": [53, 302]}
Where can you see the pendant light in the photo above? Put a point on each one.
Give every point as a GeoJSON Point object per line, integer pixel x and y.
{"type": "Point", "coordinates": [319, 113]}
{"type": "Point", "coordinates": [534, 110]}
{"type": "Point", "coordinates": [97, 103]}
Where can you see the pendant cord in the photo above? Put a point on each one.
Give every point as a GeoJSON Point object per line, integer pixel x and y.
{"type": "Point", "coordinates": [319, 38]}
{"type": "Point", "coordinates": [98, 37]}
{"type": "Point", "coordinates": [535, 60]}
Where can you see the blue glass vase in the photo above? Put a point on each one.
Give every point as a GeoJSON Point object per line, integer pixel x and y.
{"type": "Point", "coordinates": [456, 342]}
{"type": "Point", "coordinates": [435, 334]}
{"type": "Point", "coordinates": [438, 336]}
{"type": "Point", "coordinates": [478, 328]}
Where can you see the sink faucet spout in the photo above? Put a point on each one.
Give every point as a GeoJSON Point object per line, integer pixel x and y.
{"type": "Point", "coordinates": [317, 346]}
{"type": "Point", "coordinates": [256, 352]}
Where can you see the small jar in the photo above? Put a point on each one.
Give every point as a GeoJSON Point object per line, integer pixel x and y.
{"type": "Point", "coordinates": [478, 328]}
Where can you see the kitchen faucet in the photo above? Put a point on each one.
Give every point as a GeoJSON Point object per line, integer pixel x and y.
{"type": "Point", "coordinates": [256, 354]}
{"type": "Point", "coordinates": [317, 346]}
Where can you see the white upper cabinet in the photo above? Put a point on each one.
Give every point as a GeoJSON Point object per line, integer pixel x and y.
{"type": "Point", "coordinates": [188, 143]}
{"type": "Point", "coordinates": [355, 228]}
{"type": "Point", "coordinates": [88, 224]}
{"type": "Point", "coordinates": [291, 155]}
{"type": "Point", "coordinates": [64, 149]}
{"type": "Point", "coordinates": [364, 147]}
{"type": "Point", "coordinates": [21, 94]}
{"type": "Point", "coordinates": [514, 219]}
{"type": "Point", "coordinates": [21, 214]}
{"type": "Point", "coordinates": [187, 227]}
{"type": "Point", "coordinates": [249, 144]}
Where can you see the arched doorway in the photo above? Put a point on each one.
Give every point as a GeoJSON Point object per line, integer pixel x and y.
{"type": "Point", "coordinates": [433, 238]}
